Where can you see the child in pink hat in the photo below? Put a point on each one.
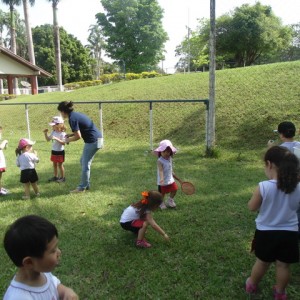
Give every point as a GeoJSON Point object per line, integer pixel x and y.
{"type": "Point", "coordinates": [165, 175]}
{"type": "Point", "coordinates": [26, 161]}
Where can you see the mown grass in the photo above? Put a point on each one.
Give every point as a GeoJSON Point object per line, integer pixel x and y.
{"type": "Point", "coordinates": [208, 256]}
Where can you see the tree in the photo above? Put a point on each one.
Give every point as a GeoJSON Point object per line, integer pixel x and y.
{"type": "Point", "coordinates": [250, 32]}
{"type": "Point", "coordinates": [96, 45]}
{"type": "Point", "coordinates": [4, 24]}
{"type": "Point", "coordinates": [76, 61]}
{"type": "Point", "coordinates": [12, 4]}
{"type": "Point", "coordinates": [28, 29]}
{"type": "Point", "coordinates": [133, 32]}
{"type": "Point", "coordinates": [57, 44]}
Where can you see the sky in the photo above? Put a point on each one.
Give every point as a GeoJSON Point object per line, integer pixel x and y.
{"type": "Point", "coordinates": [76, 18]}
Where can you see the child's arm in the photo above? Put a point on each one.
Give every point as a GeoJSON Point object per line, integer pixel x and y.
{"type": "Point", "coordinates": [3, 144]}
{"type": "Point", "coordinates": [59, 140]}
{"type": "Point", "coordinates": [161, 172]}
{"type": "Point", "coordinates": [255, 201]}
{"type": "Point", "coordinates": [48, 138]}
{"type": "Point", "coordinates": [73, 137]}
{"type": "Point", "coordinates": [155, 226]}
{"type": "Point", "coordinates": [176, 177]}
{"type": "Point", "coordinates": [66, 293]}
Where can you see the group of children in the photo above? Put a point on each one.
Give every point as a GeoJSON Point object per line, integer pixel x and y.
{"type": "Point", "coordinates": [27, 158]}
{"type": "Point", "coordinates": [277, 201]}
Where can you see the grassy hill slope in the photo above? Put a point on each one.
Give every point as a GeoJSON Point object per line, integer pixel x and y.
{"type": "Point", "coordinates": [250, 102]}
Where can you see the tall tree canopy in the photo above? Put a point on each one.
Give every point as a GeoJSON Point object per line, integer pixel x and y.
{"type": "Point", "coordinates": [133, 32]}
{"type": "Point", "coordinates": [76, 61]}
{"type": "Point", "coordinates": [244, 36]}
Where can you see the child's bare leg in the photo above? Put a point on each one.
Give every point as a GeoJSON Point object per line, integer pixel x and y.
{"type": "Point", "coordinates": [173, 194]}
{"type": "Point", "coordinates": [0, 181]}
{"type": "Point", "coordinates": [55, 169]}
{"type": "Point", "coordinates": [35, 187]}
{"type": "Point", "coordinates": [258, 271]}
{"type": "Point", "coordinates": [61, 170]}
{"type": "Point", "coordinates": [142, 231]}
{"type": "Point", "coordinates": [282, 276]}
{"type": "Point", "coordinates": [27, 189]}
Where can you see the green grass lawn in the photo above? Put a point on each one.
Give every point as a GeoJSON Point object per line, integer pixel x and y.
{"type": "Point", "coordinates": [208, 255]}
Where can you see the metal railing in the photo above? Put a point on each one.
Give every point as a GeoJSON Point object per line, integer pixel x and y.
{"type": "Point", "coordinates": [116, 102]}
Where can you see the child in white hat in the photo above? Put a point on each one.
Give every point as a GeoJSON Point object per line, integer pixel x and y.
{"type": "Point", "coordinates": [165, 175]}
{"type": "Point", "coordinates": [57, 136]}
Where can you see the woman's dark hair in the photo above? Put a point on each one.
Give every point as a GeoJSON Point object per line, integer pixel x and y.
{"type": "Point", "coordinates": [287, 167]}
{"type": "Point", "coordinates": [65, 106]}
{"type": "Point", "coordinates": [150, 202]}
{"type": "Point", "coordinates": [28, 236]}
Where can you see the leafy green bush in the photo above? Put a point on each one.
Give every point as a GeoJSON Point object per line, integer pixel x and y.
{"type": "Point", "coordinates": [132, 76]}
{"type": "Point", "coordinates": [151, 74]}
{"type": "Point", "coordinates": [7, 97]}
{"type": "Point", "coordinates": [81, 84]}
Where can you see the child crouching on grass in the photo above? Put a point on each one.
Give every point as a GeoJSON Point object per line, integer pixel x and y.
{"type": "Point", "coordinates": [138, 216]}
{"type": "Point", "coordinates": [31, 242]}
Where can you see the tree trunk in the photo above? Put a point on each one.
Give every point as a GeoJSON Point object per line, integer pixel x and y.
{"type": "Point", "coordinates": [29, 37]}
{"type": "Point", "coordinates": [57, 48]}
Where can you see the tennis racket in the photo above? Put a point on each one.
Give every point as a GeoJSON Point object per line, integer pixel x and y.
{"type": "Point", "coordinates": [187, 187]}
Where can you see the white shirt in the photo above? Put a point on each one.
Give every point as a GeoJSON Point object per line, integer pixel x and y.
{"type": "Point", "coordinates": [167, 171]}
{"type": "Point", "coordinates": [27, 160]}
{"type": "Point", "coordinates": [129, 214]}
{"type": "Point", "coordinates": [21, 291]}
{"type": "Point", "coordinates": [291, 145]}
{"type": "Point", "coordinates": [61, 135]}
{"type": "Point", "coordinates": [278, 210]}
{"type": "Point", "coordinates": [2, 159]}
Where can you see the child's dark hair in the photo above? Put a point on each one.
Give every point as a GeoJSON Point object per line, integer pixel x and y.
{"type": "Point", "coordinates": [287, 129]}
{"type": "Point", "coordinates": [65, 106]}
{"type": "Point", "coordinates": [28, 236]}
{"type": "Point", "coordinates": [150, 201]}
{"type": "Point", "coordinates": [168, 148]}
{"type": "Point", "coordinates": [18, 151]}
{"type": "Point", "coordinates": [287, 167]}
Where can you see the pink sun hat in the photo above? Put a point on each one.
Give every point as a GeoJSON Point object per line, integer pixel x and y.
{"type": "Point", "coordinates": [25, 142]}
{"type": "Point", "coordinates": [163, 145]}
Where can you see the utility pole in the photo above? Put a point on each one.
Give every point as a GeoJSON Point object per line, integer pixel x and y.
{"type": "Point", "coordinates": [210, 143]}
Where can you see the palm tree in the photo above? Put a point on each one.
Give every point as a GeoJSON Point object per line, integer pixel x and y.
{"type": "Point", "coordinates": [12, 4]}
{"type": "Point", "coordinates": [29, 36]}
{"type": "Point", "coordinates": [96, 44]}
{"type": "Point", "coordinates": [13, 44]}
{"type": "Point", "coordinates": [3, 24]}
{"type": "Point", "coordinates": [28, 29]}
{"type": "Point", "coordinates": [56, 44]}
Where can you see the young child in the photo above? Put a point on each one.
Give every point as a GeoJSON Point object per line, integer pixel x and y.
{"type": "Point", "coordinates": [3, 145]}
{"type": "Point", "coordinates": [26, 161]}
{"type": "Point", "coordinates": [276, 237]}
{"type": "Point", "coordinates": [138, 216]}
{"type": "Point", "coordinates": [165, 175]}
{"type": "Point", "coordinates": [31, 242]}
{"type": "Point", "coordinates": [58, 136]}
{"type": "Point", "coordinates": [287, 131]}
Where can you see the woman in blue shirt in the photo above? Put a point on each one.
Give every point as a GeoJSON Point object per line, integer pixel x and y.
{"type": "Point", "coordinates": [82, 128]}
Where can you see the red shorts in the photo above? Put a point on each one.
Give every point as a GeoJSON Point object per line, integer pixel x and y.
{"type": "Point", "coordinates": [2, 170]}
{"type": "Point", "coordinates": [57, 156]}
{"type": "Point", "coordinates": [165, 189]}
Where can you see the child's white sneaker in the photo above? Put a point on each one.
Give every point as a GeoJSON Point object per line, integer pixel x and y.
{"type": "Point", "coordinates": [171, 203]}
{"type": "Point", "coordinates": [163, 206]}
